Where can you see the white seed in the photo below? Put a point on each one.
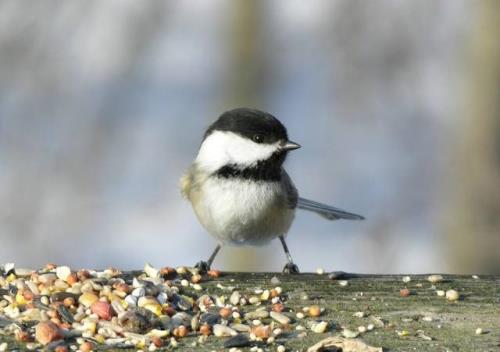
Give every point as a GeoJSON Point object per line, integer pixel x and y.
{"type": "Point", "coordinates": [235, 298]}
{"type": "Point", "coordinates": [452, 295]}
{"type": "Point", "coordinates": [173, 342]}
{"type": "Point", "coordinates": [254, 300]}
{"type": "Point", "coordinates": [257, 314]}
{"type": "Point", "coordinates": [427, 318]}
{"type": "Point", "coordinates": [151, 271]}
{"type": "Point", "coordinates": [278, 290]}
{"type": "Point", "coordinates": [440, 293]}
{"type": "Point", "coordinates": [320, 271]}
{"type": "Point", "coordinates": [320, 327]}
{"type": "Point", "coordinates": [136, 283]}
{"type": "Point", "coordinates": [280, 318]}
{"type": "Point", "coordinates": [406, 279]}
{"type": "Point", "coordinates": [349, 334]}
{"type": "Point", "coordinates": [181, 270]}
{"type": "Point", "coordinates": [435, 278]}
{"type": "Point", "coordinates": [370, 327]}
{"type": "Point", "coordinates": [479, 331]}
{"type": "Point", "coordinates": [300, 315]}
{"type": "Point", "coordinates": [240, 327]}
{"type": "Point", "coordinates": [162, 298]}
{"type": "Point", "coordinates": [359, 314]}
{"type": "Point", "coordinates": [361, 329]}
{"type": "Point", "coordinates": [277, 331]}
{"type": "Point", "coordinates": [265, 295]}
{"type": "Point", "coordinates": [299, 327]}
{"type": "Point", "coordinates": [184, 282]}
{"type": "Point", "coordinates": [8, 267]}
{"type": "Point", "coordinates": [343, 282]}
{"type": "Point", "coordinates": [197, 287]}
{"type": "Point", "coordinates": [280, 348]}
{"type": "Point", "coordinates": [131, 300]}
{"type": "Point", "coordinates": [270, 340]}
{"type": "Point", "coordinates": [31, 346]}
{"type": "Point", "coordinates": [475, 277]}
{"type": "Point", "coordinates": [139, 292]}
{"type": "Point", "coordinates": [222, 330]}
{"type": "Point", "coordinates": [63, 272]}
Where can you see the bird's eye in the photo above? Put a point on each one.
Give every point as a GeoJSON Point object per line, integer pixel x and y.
{"type": "Point", "coordinates": [258, 138]}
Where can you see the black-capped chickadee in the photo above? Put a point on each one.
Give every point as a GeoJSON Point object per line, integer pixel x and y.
{"type": "Point", "coordinates": [238, 187]}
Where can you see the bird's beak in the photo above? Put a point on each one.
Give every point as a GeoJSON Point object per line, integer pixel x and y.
{"type": "Point", "coordinates": [289, 145]}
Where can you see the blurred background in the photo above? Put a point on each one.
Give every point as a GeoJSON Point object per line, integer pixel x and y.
{"type": "Point", "coordinates": [396, 104]}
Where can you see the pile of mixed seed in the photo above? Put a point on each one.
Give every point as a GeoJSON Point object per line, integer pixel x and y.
{"type": "Point", "coordinates": [62, 309]}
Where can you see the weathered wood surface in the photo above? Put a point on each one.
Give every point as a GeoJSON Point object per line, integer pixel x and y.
{"type": "Point", "coordinates": [452, 327]}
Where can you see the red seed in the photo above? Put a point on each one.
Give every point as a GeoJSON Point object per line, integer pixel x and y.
{"type": "Point", "coordinates": [213, 273]}
{"type": "Point", "coordinates": [28, 295]}
{"type": "Point", "coordinates": [72, 279]}
{"type": "Point", "coordinates": [278, 307]}
{"type": "Point", "coordinates": [46, 332]}
{"type": "Point", "coordinates": [225, 312]}
{"type": "Point", "coordinates": [122, 287]}
{"type": "Point", "coordinates": [404, 292]}
{"type": "Point", "coordinates": [170, 311]}
{"type": "Point", "coordinates": [205, 329]}
{"type": "Point", "coordinates": [50, 266]}
{"type": "Point", "coordinates": [102, 309]}
{"type": "Point", "coordinates": [168, 272]}
{"type": "Point", "coordinates": [262, 331]}
{"type": "Point", "coordinates": [181, 331]}
{"type": "Point", "coordinates": [86, 347]}
{"type": "Point", "coordinates": [83, 274]}
{"type": "Point", "coordinates": [196, 278]}
{"type": "Point", "coordinates": [68, 302]}
{"type": "Point", "coordinates": [22, 336]}
{"type": "Point", "coordinates": [158, 342]}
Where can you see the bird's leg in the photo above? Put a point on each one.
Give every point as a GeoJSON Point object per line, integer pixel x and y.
{"type": "Point", "coordinates": [290, 267]}
{"type": "Point", "coordinates": [203, 266]}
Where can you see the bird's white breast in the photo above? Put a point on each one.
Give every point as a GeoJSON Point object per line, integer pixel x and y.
{"type": "Point", "coordinates": [238, 211]}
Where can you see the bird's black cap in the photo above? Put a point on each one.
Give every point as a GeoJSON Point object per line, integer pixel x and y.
{"type": "Point", "coordinates": [250, 123]}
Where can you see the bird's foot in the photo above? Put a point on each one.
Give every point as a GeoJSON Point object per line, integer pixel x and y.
{"type": "Point", "coordinates": [202, 266]}
{"type": "Point", "coordinates": [291, 268]}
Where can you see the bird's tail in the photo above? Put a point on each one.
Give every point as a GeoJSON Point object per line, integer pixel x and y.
{"type": "Point", "coordinates": [327, 211]}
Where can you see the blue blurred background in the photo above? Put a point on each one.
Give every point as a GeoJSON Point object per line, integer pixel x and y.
{"type": "Point", "coordinates": [396, 104]}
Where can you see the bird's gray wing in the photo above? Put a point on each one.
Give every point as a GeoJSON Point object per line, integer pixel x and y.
{"type": "Point", "coordinates": [326, 211]}
{"type": "Point", "coordinates": [292, 195]}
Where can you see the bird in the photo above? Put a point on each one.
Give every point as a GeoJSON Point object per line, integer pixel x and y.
{"type": "Point", "coordinates": [239, 189]}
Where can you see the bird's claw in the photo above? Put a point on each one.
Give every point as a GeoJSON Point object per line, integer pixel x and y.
{"type": "Point", "coordinates": [291, 268]}
{"type": "Point", "coordinates": [202, 266]}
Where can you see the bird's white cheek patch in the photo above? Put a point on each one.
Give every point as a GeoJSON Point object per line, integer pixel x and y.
{"type": "Point", "coordinates": [223, 148]}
